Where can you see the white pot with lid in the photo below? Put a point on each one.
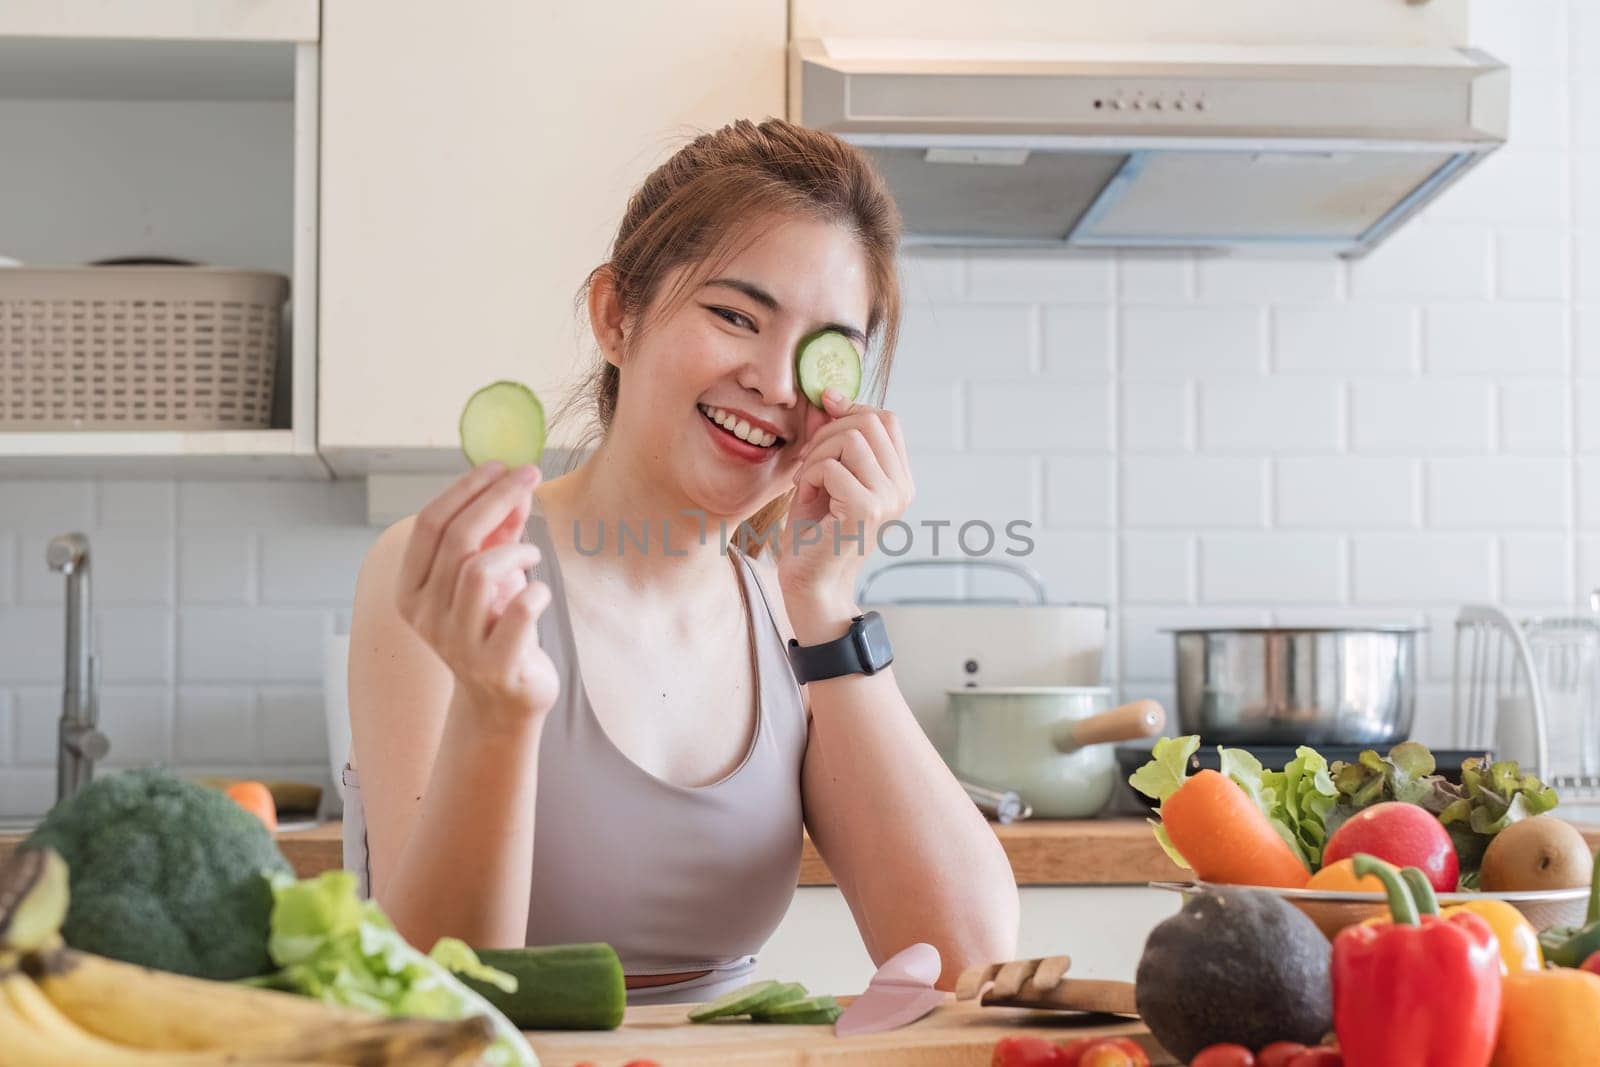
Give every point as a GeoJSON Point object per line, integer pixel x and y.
{"type": "Point", "coordinates": [1051, 744]}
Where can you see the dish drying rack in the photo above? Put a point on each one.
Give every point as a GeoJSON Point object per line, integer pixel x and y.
{"type": "Point", "coordinates": [1530, 691]}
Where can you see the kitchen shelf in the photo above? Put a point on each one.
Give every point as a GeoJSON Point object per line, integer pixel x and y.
{"type": "Point", "coordinates": [171, 128]}
{"type": "Point", "coordinates": [176, 20]}
{"type": "Point", "coordinates": [158, 454]}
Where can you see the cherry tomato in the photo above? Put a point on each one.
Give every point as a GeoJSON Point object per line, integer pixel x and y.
{"type": "Point", "coordinates": [1105, 1054]}
{"type": "Point", "coordinates": [1224, 1056]}
{"type": "Point", "coordinates": [641, 1063]}
{"type": "Point", "coordinates": [1592, 964]}
{"type": "Point", "coordinates": [1073, 1050]}
{"type": "Point", "coordinates": [1279, 1053]}
{"type": "Point", "coordinates": [1025, 1052]}
{"type": "Point", "coordinates": [1322, 1056]}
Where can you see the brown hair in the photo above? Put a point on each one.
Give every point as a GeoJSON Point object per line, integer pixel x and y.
{"type": "Point", "coordinates": [695, 207]}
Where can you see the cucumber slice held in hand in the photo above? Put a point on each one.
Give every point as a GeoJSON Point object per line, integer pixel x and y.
{"type": "Point", "coordinates": [828, 360]}
{"type": "Point", "coordinates": [505, 421]}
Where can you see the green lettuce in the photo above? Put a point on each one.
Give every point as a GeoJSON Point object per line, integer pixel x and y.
{"type": "Point", "coordinates": [1160, 778]}
{"type": "Point", "coordinates": [330, 944]}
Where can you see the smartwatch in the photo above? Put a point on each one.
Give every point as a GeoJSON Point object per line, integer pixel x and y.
{"type": "Point", "coordinates": [864, 649]}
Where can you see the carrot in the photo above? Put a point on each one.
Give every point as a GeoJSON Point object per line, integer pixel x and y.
{"type": "Point", "coordinates": [1226, 838]}
{"type": "Point", "coordinates": [257, 800]}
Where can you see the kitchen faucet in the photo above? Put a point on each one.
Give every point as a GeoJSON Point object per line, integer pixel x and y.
{"type": "Point", "coordinates": [80, 742]}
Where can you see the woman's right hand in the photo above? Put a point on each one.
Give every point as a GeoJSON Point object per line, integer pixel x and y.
{"type": "Point", "coordinates": [464, 590]}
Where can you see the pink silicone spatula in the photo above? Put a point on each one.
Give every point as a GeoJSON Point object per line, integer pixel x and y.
{"type": "Point", "coordinates": [898, 995]}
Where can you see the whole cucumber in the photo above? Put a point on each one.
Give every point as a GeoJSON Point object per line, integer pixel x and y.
{"type": "Point", "coordinates": [559, 987]}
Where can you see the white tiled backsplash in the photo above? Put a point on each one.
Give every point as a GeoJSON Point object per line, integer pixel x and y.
{"type": "Point", "coordinates": [1196, 441]}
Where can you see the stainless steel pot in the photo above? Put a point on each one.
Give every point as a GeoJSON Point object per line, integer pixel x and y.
{"type": "Point", "coordinates": [1052, 744]}
{"type": "Point", "coordinates": [1297, 686]}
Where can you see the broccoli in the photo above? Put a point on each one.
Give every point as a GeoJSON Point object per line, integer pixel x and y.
{"type": "Point", "coordinates": [165, 873]}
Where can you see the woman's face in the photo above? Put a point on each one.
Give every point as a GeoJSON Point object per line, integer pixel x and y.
{"type": "Point", "coordinates": [728, 352]}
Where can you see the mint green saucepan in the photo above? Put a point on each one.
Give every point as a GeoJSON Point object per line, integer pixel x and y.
{"type": "Point", "coordinates": [1052, 744]}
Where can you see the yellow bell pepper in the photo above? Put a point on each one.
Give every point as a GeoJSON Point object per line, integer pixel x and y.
{"type": "Point", "coordinates": [1548, 1017]}
{"type": "Point", "coordinates": [1519, 941]}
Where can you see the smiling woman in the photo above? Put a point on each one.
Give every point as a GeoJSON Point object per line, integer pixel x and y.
{"type": "Point", "coordinates": [569, 730]}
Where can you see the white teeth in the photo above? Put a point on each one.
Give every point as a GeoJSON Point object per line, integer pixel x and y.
{"type": "Point", "coordinates": [740, 428]}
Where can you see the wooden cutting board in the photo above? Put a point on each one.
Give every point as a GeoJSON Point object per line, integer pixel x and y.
{"type": "Point", "coordinates": [954, 1035]}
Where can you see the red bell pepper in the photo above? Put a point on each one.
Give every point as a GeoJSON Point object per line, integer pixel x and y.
{"type": "Point", "coordinates": [1418, 991]}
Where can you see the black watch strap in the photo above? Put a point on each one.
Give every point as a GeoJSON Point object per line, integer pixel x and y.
{"type": "Point", "coordinates": [864, 649]}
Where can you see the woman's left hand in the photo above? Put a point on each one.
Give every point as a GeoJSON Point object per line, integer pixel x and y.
{"type": "Point", "coordinates": [854, 477]}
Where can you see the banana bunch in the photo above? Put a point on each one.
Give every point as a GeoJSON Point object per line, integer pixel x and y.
{"type": "Point", "coordinates": [62, 1007]}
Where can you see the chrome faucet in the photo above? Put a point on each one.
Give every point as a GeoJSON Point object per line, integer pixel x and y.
{"type": "Point", "coordinates": [80, 742]}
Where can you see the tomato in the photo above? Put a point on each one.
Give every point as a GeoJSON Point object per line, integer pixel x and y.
{"type": "Point", "coordinates": [1224, 1056]}
{"type": "Point", "coordinates": [1592, 964]}
{"type": "Point", "coordinates": [641, 1063]}
{"type": "Point", "coordinates": [1072, 1053]}
{"type": "Point", "coordinates": [257, 800]}
{"type": "Point", "coordinates": [1279, 1053]}
{"type": "Point", "coordinates": [1026, 1052]}
{"type": "Point", "coordinates": [1322, 1056]}
{"type": "Point", "coordinates": [1406, 835]}
{"type": "Point", "coordinates": [1105, 1054]}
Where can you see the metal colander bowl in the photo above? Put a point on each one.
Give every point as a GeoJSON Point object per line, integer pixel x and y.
{"type": "Point", "coordinates": [1333, 910]}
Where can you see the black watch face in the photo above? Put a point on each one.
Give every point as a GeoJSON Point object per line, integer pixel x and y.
{"type": "Point", "coordinates": [873, 641]}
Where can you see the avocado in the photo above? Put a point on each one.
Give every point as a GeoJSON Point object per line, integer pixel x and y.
{"type": "Point", "coordinates": [1235, 965]}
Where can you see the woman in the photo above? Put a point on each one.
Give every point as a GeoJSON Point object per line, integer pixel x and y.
{"type": "Point", "coordinates": [655, 800]}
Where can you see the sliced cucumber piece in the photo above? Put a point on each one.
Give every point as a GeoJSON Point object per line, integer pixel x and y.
{"type": "Point", "coordinates": [809, 1011]}
{"type": "Point", "coordinates": [505, 421]}
{"type": "Point", "coordinates": [734, 1002]}
{"type": "Point", "coordinates": [828, 360]}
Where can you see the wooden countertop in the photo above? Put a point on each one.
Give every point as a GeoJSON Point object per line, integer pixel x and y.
{"type": "Point", "coordinates": [1067, 852]}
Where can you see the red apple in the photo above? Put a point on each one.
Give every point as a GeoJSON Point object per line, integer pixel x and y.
{"type": "Point", "coordinates": [1402, 834]}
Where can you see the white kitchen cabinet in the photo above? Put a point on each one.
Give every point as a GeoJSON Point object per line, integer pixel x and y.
{"type": "Point", "coordinates": [1103, 929]}
{"type": "Point", "coordinates": [176, 128]}
{"type": "Point", "coordinates": [1318, 22]}
{"type": "Point", "coordinates": [476, 161]}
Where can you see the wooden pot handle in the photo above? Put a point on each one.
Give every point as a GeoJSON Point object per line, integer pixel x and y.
{"type": "Point", "coordinates": [1142, 718]}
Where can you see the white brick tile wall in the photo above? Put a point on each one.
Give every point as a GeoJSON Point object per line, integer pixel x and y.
{"type": "Point", "coordinates": [1271, 415]}
{"type": "Point", "coordinates": [1192, 492]}
{"type": "Point", "coordinates": [1586, 340]}
{"type": "Point", "coordinates": [933, 278]}
{"type": "Point", "coordinates": [289, 721]}
{"type": "Point", "coordinates": [46, 505]}
{"type": "Point", "coordinates": [27, 792]}
{"type": "Point", "coordinates": [135, 644]}
{"type": "Point", "coordinates": [976, 487]}
{"type": "Point", "coordinates": [1147, 647]}
{"type": "Point", "coordinates": [1343, 492]}
{"type": "Point", "coordinates": [1032, 279]}
{"type": "Point", "coordinates": [251, 644]}
{"type": "Point", "coordinates": [1422, 261]}
{"type": "Point", "coordinates": [1423, 568]}
{"type": "Point", "coordinates": [1534, 263]}
{"type": "Point", "coordinates": [1540, 111]}
{"type": "Point", "coordinates": [1178, 341]}
{"type": "Point", "coordinates": [1588, 567]}
{"type": "Point", "coordinates": [138, 502]}
{"type": "Point", "coordinates": [1075, 565]}
{"type": "Point", "coordinates": [312, 568]}
{"type": "Point", "coordinates": [1531, 36]}
{"type": "Point", "coordinates": [127, 567]}
{"type": "Point", "coordinates": [1078, 491]}
{"type": "Point", "coordinates": [217, 568]}
{"type": "Point", "coordinates": [1521, 186]}
{"type": "Point", "coordinates": [7, 727]}
{"type": "Point", "coordinates": [31, 647]}
{"type": "Point", "coordinates": [216, 723]}
{"type": "Point", "coordinates": [1078, 342]}
{"type": "Point", "coordinates": [138, 722]}
{"type": "Point", "coordinates": [941, 343]}
{"type": "Point", "coordinates": [37, 711]}
{"type": "Point", "coordinates": [1345, 339]}
{"type": "Point", "coordinates": [1270, 568]}
{"type": "Point", "coordinates": [1535, 569]}
{"type": "Point", "coordinates": [8, 567]}
{"type": "Point", "coordinates": [1032, 416]}
{"type": "Point", "coordinates": [1157, 416]}
{"type": "Point", "coordinates": [1146, 278]}
{"type": "Point", "coordinates": [1589, 493]}
{"type": "Point", "coordinates": [930, 415]}
{"type": "Point", "coordinates": [1535, 415]}
{"type": "Point", "coordinates": [1589, 415]}
{"type": "Point", "coordinates": [1422, 417]}
{"type": "Point", "coordinates": [1499, 338]}
{"type": "Point", "coordinates": [1255, 281]}
{"type": "Point", "coordinates": [1498, 493]}
{"type": "Point", "coordinates": [1158, 568]}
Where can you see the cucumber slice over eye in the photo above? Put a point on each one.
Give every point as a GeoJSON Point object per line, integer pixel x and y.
{"type": "Point", "coordinates": [505, 421]}
{"type": "Point", "coordinates": [828, 360]}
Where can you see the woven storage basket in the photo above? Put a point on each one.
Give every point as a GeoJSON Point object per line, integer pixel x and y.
{"type": "Point", "coordinates": [138, 348]}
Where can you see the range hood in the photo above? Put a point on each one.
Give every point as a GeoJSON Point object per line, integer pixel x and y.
{"type": "Point", "coordinates": [1287, 150]}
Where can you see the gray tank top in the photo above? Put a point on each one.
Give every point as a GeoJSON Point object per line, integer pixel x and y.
{"type": "Point", "coordinates": [674, 878]}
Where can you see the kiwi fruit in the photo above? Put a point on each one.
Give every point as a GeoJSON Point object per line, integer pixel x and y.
{"type": "Point", "coordinates": [1543, 852]}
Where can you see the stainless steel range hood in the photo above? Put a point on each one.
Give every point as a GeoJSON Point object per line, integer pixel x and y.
{"type": "Point", "coordinates": [1292, 150]}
